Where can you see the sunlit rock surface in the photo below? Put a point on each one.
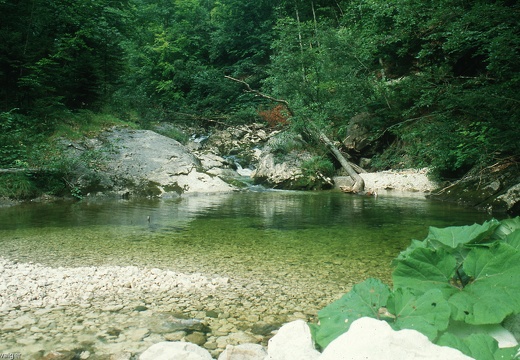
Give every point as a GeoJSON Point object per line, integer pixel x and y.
{"type": "Point", "coordinates": [369, 338]}
{"type": "Point", "coordinates": [142, 162]}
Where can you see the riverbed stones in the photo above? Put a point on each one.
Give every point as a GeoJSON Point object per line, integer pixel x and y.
{"type": "Point", "coordinates": [19, 323]}
{"type": "Point", "coordinates": [73, 286]}
{"type": "Point", "coordinates": [196, 338]}
{"type": "Point", "coordinates": [243, 352]}
{"type": "Point", "coordinates": [138, 334]}
{"type": "Point", "coordinates": [59, 355]}
{"type": "Point", "coordinates": [263, 328]}
{"type": "Point", "coordinates": [175, 351]}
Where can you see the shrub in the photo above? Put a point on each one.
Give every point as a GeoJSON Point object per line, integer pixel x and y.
{"type": "Point", "coordinates": [463, 276]}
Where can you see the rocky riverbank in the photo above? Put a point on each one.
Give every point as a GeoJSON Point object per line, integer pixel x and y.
{"type": "Point", "coordinates": [124, 313]}
{"type": "Point", "coordinates": [145, 163]}
{"type": "Point", "coordinates": [122, 162]}
{"type": "Point", "coordinates": [114, 312]}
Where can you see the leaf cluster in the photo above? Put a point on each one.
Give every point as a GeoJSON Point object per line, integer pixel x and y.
{"type": "Point", "coordinates": [457, 275]}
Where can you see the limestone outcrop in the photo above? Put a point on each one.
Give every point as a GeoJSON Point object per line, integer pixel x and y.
{"type": "Point", "coordinates": [143, 162]}
{"type": "Point", "coordinates": [493, 189]}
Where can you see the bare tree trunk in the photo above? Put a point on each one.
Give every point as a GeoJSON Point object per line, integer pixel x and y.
{"type": "Point", "coordinates": [359, 183]}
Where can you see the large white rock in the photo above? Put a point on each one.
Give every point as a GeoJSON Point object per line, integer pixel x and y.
{"type": "Point", "coordinates": [292, 342]}
{"type": "Point", "coordinates": [369, 338]}
{"type": "Point", "coordinates": [175, 351]}
{"type": "Point", "coordinates": [142, 161]}
{"type": "Point", "coordinates": [243, 352]}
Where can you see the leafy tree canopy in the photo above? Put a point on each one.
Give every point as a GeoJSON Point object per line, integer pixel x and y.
{"type": "Point", "coordinates": [438, 79]}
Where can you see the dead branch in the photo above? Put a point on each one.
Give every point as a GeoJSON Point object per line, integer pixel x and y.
{"type": "Point", "coordinates": [359, 183]}
{"type": "Point", "coordinates": [260, 94]}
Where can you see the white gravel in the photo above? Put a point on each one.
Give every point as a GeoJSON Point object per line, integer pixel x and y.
{"type": "Point", "coordinates": [34, 285]}
{"type": "Point", "coordinates": [399, 180]}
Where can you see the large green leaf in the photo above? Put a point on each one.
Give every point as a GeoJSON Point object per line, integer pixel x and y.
{"type": "Point", "coordinates": [506, 227]}
{"type": "Point", "coordinates": [405, 253]}
{"type": "Point", "coordinates": [513, 239]}
{"type": "Point", "coordinates": [494, 291]}
{"type": "Point", "coordinates": [428, 313]}
{"type": "Point", "coordinates": [425, 269]}
{"type": "Point", "coordinates": [478, 346]}
{"type": "Point", "coordinates": [365, 299]}
{"type": "Point", "coordinates": [454, 236]}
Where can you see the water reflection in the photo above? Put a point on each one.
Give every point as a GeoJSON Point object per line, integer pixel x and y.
{"type": "Point", "coordinates": [218, 229]}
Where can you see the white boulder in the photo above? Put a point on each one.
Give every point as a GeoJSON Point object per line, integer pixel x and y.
{"type": "Point", "coordinates": [175, 351]}
{"type": "Point", "coordinates": [369, 338]}
{"type": "Point", "coordinates": [243, 352]}
{"type": "Point", "coordinates": [292, 342]}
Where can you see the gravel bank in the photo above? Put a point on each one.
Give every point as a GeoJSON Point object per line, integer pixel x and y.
{"type": "Point", "coordinates": [109, 312]}
{"type": "Point", "coordinates": [409, 180]}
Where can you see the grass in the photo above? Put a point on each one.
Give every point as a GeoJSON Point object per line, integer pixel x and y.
{"type": "Point", "coordinates": [76, 125]}
{"type": "Point", "coordinates": [16, 186]}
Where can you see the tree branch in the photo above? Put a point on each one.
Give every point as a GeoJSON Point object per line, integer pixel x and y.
{"type": "Point", "coordinates": [262, 95]}
{"type": "Point", "coordinates": [359, 183]}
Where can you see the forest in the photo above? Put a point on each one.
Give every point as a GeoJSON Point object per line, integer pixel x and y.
{"type": "Point", "coordinates": [436, 82]}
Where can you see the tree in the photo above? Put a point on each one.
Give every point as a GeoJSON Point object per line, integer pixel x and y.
{"type": "Point", "coordinates": [58, 54]}
{"type": "Point", "coordinates": [313, 130]}
{"type": "Point", "coordinates": [448, 72]}
{"type": "Point", "coordinates": [435, 79]}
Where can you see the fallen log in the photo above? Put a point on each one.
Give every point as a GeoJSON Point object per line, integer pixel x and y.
{"type": "Point", "coordinates": [313, 130]}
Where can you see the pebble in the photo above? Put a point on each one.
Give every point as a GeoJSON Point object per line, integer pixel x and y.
{"type": "Point", "coordinates": [196, 338]}
{"type": "Point", "coordinates": [114, 312]}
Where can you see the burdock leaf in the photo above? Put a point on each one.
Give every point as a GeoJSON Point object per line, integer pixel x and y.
{"type": "Point", "coordinates": [365, 299]}
{"type": "Point", "coordinates": [454, 236]}
{"type": "Point", "coordinates": [428, 313]}
{"type": "Point", "coordinates": [507, 226]}
{"type": "Point", "coordinates": [513, 239]}
{"type": "Point", "coordinates": [478, 346]}
{"type": "Point", "coordinates": [425, 269]}
{"type": "Point", "coordinates": [494, 291]}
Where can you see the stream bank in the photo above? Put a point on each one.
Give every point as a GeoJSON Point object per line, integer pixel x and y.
{"type": "Point", "coordinates": [146, 163]}
{"type": "Point", "coordinates": [123, 163]}
{"type": "Point", "coordinates": [95, 275]}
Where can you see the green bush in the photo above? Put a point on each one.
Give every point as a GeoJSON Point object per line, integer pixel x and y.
{"type": "Point", "coordinates": [318, 165]}
{"type": "Point", "coordinates": [17, 186]}
{"type": "Point", "coordinates": [463, 276]}
{"type": "Point", "coordinates": [174, 133]}
{"type": "Point", "coordinates": [285, 142]}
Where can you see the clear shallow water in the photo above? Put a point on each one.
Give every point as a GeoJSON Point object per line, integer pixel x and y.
{"type": "Point", "coordinates": [229, 234]}
{"type": "Point", "coordinates": [287, 255]}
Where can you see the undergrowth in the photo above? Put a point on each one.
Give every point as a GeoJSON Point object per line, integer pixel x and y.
{"type": "Point", "coordinates": [458, 277]}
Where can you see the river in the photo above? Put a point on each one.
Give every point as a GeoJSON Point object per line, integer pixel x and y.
{"type": "Point", "coordinates": [286, 254]}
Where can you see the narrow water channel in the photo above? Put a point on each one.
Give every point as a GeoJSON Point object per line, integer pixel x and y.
{"type": "Point", "coordinates": [286, 254]}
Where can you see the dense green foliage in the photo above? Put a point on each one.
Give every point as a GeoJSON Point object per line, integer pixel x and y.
{"type": "Point", "coordinates": [438, 79]}
{"type": "Point", "coordinates": [457, 277]}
